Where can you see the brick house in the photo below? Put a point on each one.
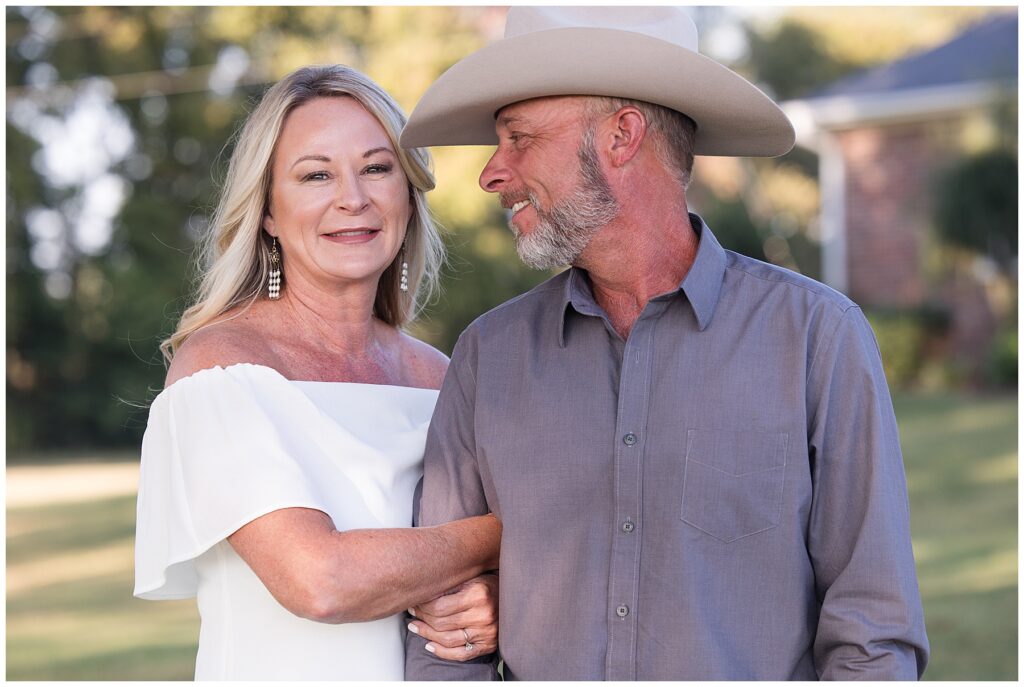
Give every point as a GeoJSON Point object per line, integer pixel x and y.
{"type": "Point", "coordinates": [881, 136]}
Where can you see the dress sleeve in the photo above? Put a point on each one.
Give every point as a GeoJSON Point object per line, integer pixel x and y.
{"type": "Point", "coordinates": [221, 448]}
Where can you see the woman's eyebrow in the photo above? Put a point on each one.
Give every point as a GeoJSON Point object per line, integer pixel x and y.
{"type": "Point", "coordinates": [324, 158]}
{"type": "Point", "coordinates": [318, 158]}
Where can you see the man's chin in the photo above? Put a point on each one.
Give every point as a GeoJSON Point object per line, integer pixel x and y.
{"type": "Point", "coordinates": [538, 266]}
{"type": "Point", "coordinates": [516, 226]}
{"type": "Point", "coordinates": [530, 257]}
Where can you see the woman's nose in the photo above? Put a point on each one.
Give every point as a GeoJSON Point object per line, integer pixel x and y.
{"type": "Point", "coordinates": [350, 196]}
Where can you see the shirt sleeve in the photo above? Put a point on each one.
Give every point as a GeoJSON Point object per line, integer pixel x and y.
{"type": "Point", "coordinates": [451, 490]}
{"type": "Point", "coordinates": [215, 456]}
{"type": "Point", "coordinates": [871, 624]}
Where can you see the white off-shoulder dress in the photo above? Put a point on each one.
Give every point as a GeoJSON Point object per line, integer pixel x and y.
{"type": "Point", "coordinates": [228, 445]}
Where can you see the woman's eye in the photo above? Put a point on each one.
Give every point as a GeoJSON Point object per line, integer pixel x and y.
{"type": "Point", "coordinates": [380, 168]}
{"type": "Point", "coordinates": [316, 176]}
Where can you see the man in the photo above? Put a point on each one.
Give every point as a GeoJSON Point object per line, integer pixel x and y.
{"type": "Point", "coordinates": [693, 453]}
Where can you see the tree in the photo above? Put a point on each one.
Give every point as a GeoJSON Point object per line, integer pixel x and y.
{"type": "Point", "coordinates": [120, 124]}
{"type": "Point", "coordinates": [976, 205]}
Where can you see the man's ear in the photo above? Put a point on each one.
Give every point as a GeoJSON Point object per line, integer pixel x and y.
{"type": "Point", "coordinates": [629, 131]}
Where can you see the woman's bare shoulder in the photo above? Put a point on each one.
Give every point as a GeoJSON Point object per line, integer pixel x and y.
{"type": "Point", "coordinates": [426, 362]}
{"type": "Point", "coordinates": [219, 344]}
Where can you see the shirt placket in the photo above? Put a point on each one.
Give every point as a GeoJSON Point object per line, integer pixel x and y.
{"type": "Point", "coordinates": [630, 442]}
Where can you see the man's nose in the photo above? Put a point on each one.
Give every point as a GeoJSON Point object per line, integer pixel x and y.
{"type": "Point", "coordinates": [495, 173]}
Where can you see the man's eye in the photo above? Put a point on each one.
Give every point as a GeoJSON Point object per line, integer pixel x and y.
{"type": "Point", "coordinates": [519, 139]}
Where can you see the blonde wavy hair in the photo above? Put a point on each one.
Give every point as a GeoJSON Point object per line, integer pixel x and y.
{"type": "Point", "coordinates": [234, 255]}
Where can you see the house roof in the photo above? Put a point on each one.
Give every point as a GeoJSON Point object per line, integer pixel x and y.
{"type": "Point", "coordinates": [986, 51]}
{"type": "Point", "coordinates": [974, 69]}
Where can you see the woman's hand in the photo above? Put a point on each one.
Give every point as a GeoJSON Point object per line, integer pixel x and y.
{"type": "Point", "coordinates": [465, 615]}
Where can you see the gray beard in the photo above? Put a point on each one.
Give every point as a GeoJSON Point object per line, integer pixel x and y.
{"type": "Point", "coordinates": [566, 229]}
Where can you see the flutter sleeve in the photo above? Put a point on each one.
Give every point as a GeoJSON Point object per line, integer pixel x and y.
{"type": "Point", "coordinates": [220, 450]}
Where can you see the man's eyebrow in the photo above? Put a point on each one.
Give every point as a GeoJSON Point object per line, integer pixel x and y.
{"type": "Point", "coordinates": [508, 120]}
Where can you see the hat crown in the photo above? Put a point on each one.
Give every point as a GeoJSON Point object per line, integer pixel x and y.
{"type": "Point", "coordinates": [643, 53]}
{"type": "Point", "coordinates": [669, 24]}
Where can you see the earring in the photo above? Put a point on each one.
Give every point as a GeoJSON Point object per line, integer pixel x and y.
{"type": "Point", "coordinates": [274, 281]}
{"type": "Point", "coordinates": [404, 283]}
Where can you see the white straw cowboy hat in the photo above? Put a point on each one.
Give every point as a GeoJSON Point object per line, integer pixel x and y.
{"type": "Point", "coordinates": [643, 53]}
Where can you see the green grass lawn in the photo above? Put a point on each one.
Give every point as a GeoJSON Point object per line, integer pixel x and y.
{"type": "Point", "coordinates": [961, 460]}
{"type": "Point", "coordinates": [71, 616]}
{"type": "Point", "coordinates": [70, 612]}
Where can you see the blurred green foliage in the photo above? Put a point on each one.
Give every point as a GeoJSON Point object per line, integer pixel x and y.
{"type": "Point", "coordinates": [1004, 357]}
{"type": "Point", "coordinates": [794, 58]}
{"type": "Point", "coordinates": [733, 226]}
{"type": "Point", "coordinates": [909, 340]}
{"type": "Point", "coordinates": [83, 329]}
{"type": "Point", "coordinates": [976, 204]}
{"type": "Point", "coordinates": [85, 317]}
{"type": "Point", "coordinates": [809, 47]}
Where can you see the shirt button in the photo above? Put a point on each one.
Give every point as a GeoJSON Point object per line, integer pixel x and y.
{"type": "Point", "coordinates": [627, 526]}
{"type": "Point", "coordinates": [622, 611]}
{"type": "Point", "coordinates": [629, 439]}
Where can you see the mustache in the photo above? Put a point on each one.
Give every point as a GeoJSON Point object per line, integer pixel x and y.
{"type": "Point", "coordinates": [509, 198]}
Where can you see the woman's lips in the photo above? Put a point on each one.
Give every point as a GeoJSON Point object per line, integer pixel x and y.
{"type": "Point", "coordinates": [363, 235]}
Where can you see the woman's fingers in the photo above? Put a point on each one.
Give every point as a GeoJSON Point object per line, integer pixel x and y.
{"type": "Point", "coordinates": [453, 646]}
{"type": "Point", "coordinates": [480, 591]}
{"type": "Point", "coordinates": [461, 654]}
{"type": "Point", "coordinates": [454, 639]}
{"type": "Point", "coordinates": [474, 603]}
{"type": "Point", "coordinates": [462, 624]}
{"type": "Point", "coordinates": [447, 638]}
{"type": "Point", "coordinates": [473, 617]}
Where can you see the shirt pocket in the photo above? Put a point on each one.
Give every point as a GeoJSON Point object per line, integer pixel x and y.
{"type": "Point", "coordinates": [732, 481]}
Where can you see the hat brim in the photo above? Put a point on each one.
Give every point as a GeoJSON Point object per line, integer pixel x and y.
{"type": "Point", "coordinates": [733, 117]}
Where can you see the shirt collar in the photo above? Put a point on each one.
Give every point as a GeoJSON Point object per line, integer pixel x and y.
{"type": "Point", "coordinates": [702, 284]}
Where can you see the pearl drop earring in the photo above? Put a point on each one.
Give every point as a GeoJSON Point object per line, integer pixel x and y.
{"type": "Point", "coordinates": [404, 283]}
{"type": "Point", "coordinates": [274, 281]}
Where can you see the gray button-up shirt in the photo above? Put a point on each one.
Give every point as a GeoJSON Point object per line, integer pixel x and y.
{"type": "Point", "coordinates": [719, 497]}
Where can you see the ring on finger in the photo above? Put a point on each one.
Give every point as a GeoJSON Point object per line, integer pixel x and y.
{"type": "Point", "coordinates": [469, 644]}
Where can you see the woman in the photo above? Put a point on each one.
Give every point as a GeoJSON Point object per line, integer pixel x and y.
{"type": "Point", "coordinates": [280, 460]}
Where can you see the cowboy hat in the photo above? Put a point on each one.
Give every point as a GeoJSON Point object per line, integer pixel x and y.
{"type": "Point", "coordinates": [642, 53]}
